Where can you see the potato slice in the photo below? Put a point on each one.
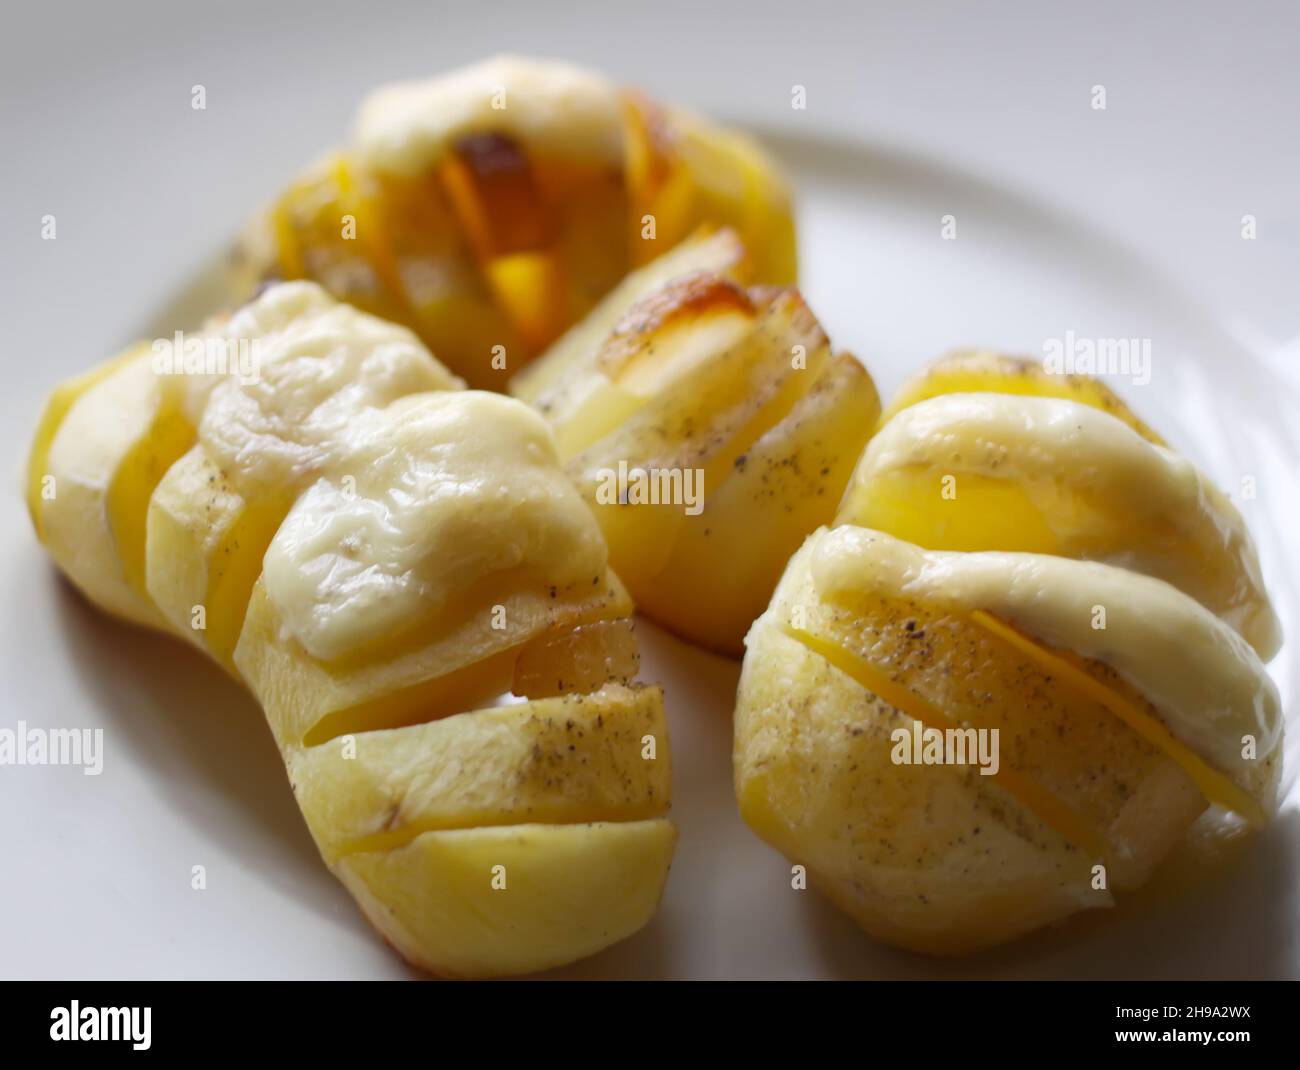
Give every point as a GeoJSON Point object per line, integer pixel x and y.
{"type": "Point", "coordinates": [683, 171]}
{"type": "Point", "coordinates": [709, 430]}
{"type": "Point", "coordinates": [499, 205]}
{"type": "Point", "coordinates": [463, 662]}
{"type": "Point", "coordinates": [577, 661]}
{"type": "Point", "coordinates": [456, 662]}
{"type": "Point", "coordinates": [113, 445]}
{"type": "Point", "coordinates": [588, 202]}
{"type": "Point", "coordinates": [512, 899]}
{"type": "Point", "coordinates": [983, 370]}
{"type": "Point", "coordinates": [580, 758]}
{"type": "Point", "coordinates": [326, 227]}
{"type": "Point", "coordinates": [204, 551]}
{"type": "Point", "coordinates": [1199, 678]}
{"type": "Point", "coordinates": [404, 581]}
{"type": "Point", "coordinates": [656, 345]}
{"type": "Point", "coordinates": [452, 306]}
{"type": "Point", "coordinates": [1000, 472]}
{"type": "Point", "coordinates": [726, 561]}
{"type": "Point", "coordinates": [546, 381]}
{"type": "Point", "coordinates": [56, 409]}
{"type": "Point", "coordinates": [736, 185]}
{"type": "Point", "coordinates": [679, 376]}
{"type": "Point", "coordinates": [707, 419]}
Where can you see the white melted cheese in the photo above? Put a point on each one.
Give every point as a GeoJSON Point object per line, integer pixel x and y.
{"type": "Point", "coordinates": [553, 108]}
{"type": "Point", "coordinates": [1104, 491]}
{"type": "Point", "coordinates": [319, 366]}
{"type": "Point", "coordinates": [1205, 681]}
{"type": "Point", "coordinates": [428, 498]}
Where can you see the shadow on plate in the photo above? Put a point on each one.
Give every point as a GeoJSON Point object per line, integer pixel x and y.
{"type": "Point", "coordinates": [206, 746]}
{"type": "Point", "coordinates": [1233, 921]}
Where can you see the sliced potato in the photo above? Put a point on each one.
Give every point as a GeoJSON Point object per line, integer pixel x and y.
{"type": "Point", "coordinates": [580, 758]}
{"type": "Point", "coordinates": [984, 370]}
{"type": "Point", "coordinates": [709, 429]}
{"type": "Point", "coordinates": [948, 663]}
{"type": "Point", "coordinates": [737, 186]}
{"type": "Point", "coordinates": [868, 635]}
{"type": "Point", "coordinates": [995, 471]}
{"type": "Point", "coordinates": [325, 228]}
{"type": "Point", "coordinates": [726, 561]}
{"type": "Point", "coordinates": [1008, 681]}
{"type": "Point", "coordinates": [397, 780]}
{"type": "Point", "coordinates": [403, 585]}
{"type": "Point", "coordinates": [656, 345]}
{"type": "Point", "coordinates": [205, 546]}
{"type": "Point", "coordinates": [394, 556]}
{"type": "Point", "coordinates": [512, 899]}
{"type": "Point", "coordinates": [52, 416]}
{"type": "Point", "coordinates": [717, 253]}
{"type": "Point", "coordinates": [934, 858]}
{"type": "Point", "coordinates": [113, 445]}
{"type": "Point", "coordinates": [458, 662]}
{"type": "Point", "coordinates": [695, 430]}
{"type": "Point", "coordinates": [491, 229]}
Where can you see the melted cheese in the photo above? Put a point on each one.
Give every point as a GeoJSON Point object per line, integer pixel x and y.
{"type": "Point", "coordinates": [1205, 681]}
{"type": "Point", "coordinates": [319, 366]}
{"type": "Point", "coordinates": [1102, 490]}
{"type": "Point", "coordinates": [428, 498]}
{"type": "Point", "coordinates": [551, 108]}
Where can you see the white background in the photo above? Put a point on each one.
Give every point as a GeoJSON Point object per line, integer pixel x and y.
{"type": "Point", "coordinates": [1121, 222]}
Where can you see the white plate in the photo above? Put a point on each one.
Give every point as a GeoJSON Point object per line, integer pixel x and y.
{"type": "Point", "coordinates": [98, 868]}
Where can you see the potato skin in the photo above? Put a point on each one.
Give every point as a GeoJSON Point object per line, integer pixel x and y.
{"type": "Point", "coordinates": [936, 859]}
{"type": "Point", "coordinates": [562, 892]}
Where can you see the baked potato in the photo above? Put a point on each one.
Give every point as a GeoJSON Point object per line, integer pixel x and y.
{"type": "Point", "coordinates": [490, 208]}
{"type": "Point", "coordinates": [406, 580]}
{"type": "Point", "coordinates": [1020, 666]}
